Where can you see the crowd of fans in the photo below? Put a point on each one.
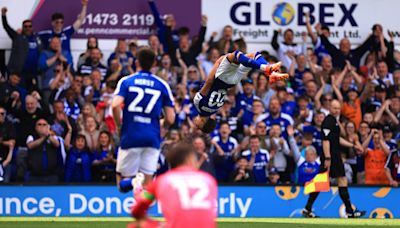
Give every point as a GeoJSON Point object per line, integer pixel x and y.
{"type": "Point", "coordinates": [56, 124]}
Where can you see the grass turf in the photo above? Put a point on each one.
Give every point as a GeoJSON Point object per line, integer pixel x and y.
{"type": "Point", "coordinates": [92, 222]}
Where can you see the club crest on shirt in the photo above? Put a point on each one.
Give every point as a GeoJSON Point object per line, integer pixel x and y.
{"type": "Point", "coordinates": [326, 132]}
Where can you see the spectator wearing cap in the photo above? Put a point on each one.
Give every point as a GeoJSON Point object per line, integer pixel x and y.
{"type": "Point", "coordinates": [351, 109]}
{"type": "Point", "coordinates": [7, 144]}
{"type": "Point", "coordinates": [384, 76]}
{"type": "Point", "coordinates": [25, 51]}
{"type": "Point", "coordinates": [375, 158]}
{"type": "Point", "coordinates": [286, 48]}
{"type": "Point", "coordinates": [125, 58]}
{"type": "Point", "coordinates": [388, 137]}
{"type": "Point", "coordinates": [273, 176]}
{"type": "Point", "coordinates": [275, 116]}
{"type": "Point", "coordinates": [287, 100]}
{"type": "Point", "coordinates": [374, 103]}
{"type": "Point", "coordinates": [224, 156]}
{"type": "Point", "coordinates": [43, 154]}
{"type": "Point", "coordinates": [93, 63]}
{"type": "Point", "coordinates": [64, 33]}
{"type": "Point", "coordinates": [244, 100]}
{"type": "Point", "coordinates": [307, 163]}
{"type": "Point", "coordinates": [344, 52]}
{"type": "Point", "coordinates": [242, 174]}
{"type": "Point", "coordinates": [259, 160]}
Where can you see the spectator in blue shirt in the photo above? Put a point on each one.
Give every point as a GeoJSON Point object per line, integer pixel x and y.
{"type": "Point", "coordinates": [48, 61]}
{"type": "Point", "coordinates": [226, 148]}
{"type": "Point", "coordinates": [65, 34]}
{"type": "Point", "coordinates": [244, 99]}
{"type": "Point", "coordinates": [104, 158]}
{"type": "Point", "coordinates": [25, 51]}
{"type": "Point", "coordinates": [307, 164]}
{"type": "Point", "coordinates": [125, 58]}
{"type": "Point", "coordinates": [258, 159]}
{"type": "Point", "coordinates": [78, 164]}
{"type": "Point", "coordinates": [275, 116]}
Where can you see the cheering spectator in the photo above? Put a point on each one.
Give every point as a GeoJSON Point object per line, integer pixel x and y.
{"type": "Point", "coordinates": [7, 144]}
{"type": "Point", "coordinates": [125, 58]}
{"type": "Point", "coordinates": [61, 82]}
{"type": "Point", "coordinates": [91, 133]}
{"type": "Point", "coordinates": [48, 61]}
{"type": "Point", "coordinates": [188, 52]}
{"type": "Point", "coordinates": [226, 148]}
{"type": "Point", "coordinates": [43, 154]}
{"type": "Point", "coordinates": [93, 90]}
{"type": "Point", "coordinates": [78, 165]}
{"type": "Point", "coordinates": [162, 28]}
{"type": "Point", "coordinates": [11, 93]}
{"type": "Point", "coordinates": [25, 51]}
{"type": "Point", "coordinates": [225, 43]}
{"type": "Point", "coordinates": [307, 163]}
{"type": "Point", "coordinates": [339, 56]}
{"type": "Point", "coordinates": [286, 49]}
{"type": "Point", "coordinates": [93, 63]}
{"type": "Point", "coordinates": [275, 116]}
{"type": "Point", "coordinates": [278, 145]}
{"type": "Point", "coordinates": [104, 158]}
{"type": "Point", "coordinates": [375, 158]}
{"type": "Point", "coordinates": [258, 160]}
{"type": "Point", "coordinates": [57, 22]}
{"type": "Point", "coordinates": [92, 42]}
{"type": "Point", "coordinates": [242, 173]}
{"type": "Point", "coordinates": [203, 155]}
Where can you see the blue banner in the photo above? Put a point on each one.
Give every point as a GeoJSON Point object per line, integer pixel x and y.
{"type": "Point", "coordinates": [233, 201]}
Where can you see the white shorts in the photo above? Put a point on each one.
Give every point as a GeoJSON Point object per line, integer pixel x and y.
{"type": "Point", "coordinates": [133, 160]}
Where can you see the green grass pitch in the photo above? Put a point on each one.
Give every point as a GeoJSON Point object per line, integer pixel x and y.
{"type": "Point", "coordinates": [96, 222]}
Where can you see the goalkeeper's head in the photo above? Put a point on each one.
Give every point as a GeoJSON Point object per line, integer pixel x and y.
{"type": "Point", "coordinates": [182, 154]}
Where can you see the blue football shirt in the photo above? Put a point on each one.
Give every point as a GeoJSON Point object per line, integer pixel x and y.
{"type": "Point", "coordinates": [145, 96]}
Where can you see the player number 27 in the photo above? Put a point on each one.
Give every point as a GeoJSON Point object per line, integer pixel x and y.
{"type": "Point", "coordinates": [192, 193]}
{"type": "Point", "coordinates": [134, 105]}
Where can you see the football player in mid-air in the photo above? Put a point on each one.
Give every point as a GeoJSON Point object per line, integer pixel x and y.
{"type": "Point", "coordinates": [226, 73]}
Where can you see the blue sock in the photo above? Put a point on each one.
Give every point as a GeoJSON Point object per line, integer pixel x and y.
{"type": "Point", "coordinates": [260, 59]}
{"type": "Point", "coordinates": [125, 185]}
{"type": "Point", "coordinates": [247, 62]}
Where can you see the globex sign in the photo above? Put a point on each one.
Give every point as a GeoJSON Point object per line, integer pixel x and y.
{"type": "Point", "coordinates": [284, 13]}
